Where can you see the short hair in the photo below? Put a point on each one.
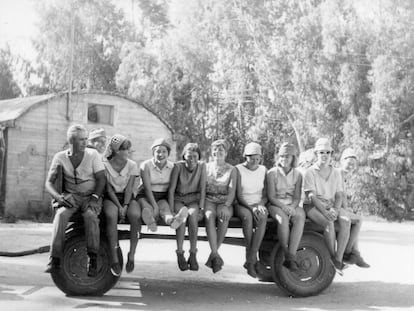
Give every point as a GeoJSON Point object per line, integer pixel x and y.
{"type": "Point", "coordinates": [73, 131]}
{"type": "Point", "coordinates": [191, 147]}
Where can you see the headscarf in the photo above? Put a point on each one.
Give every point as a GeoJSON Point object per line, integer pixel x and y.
{"type": "Point", "coordinates": [115, 143]}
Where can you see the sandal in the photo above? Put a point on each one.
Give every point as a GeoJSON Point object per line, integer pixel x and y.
{"type": "Point", "coordinates": [130, 265]}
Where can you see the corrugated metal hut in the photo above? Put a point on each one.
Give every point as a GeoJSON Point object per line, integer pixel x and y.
{"type": "Point", "coordinates": [34, 129]}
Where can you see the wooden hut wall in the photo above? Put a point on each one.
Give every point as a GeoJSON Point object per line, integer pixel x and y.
{"type": "Point", "coordinates": [41, 132]}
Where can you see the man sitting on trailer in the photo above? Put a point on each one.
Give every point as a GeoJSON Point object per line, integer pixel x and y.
{"type": "Point", "coordinates": [83, 183]}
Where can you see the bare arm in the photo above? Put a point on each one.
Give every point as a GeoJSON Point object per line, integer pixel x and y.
{"type": "Point", "coordinates": [173, 187]}
{"type": "Point", "coordinates": [100, 183]}
{"type": "Point", "coordinates": [239, 192]}
{"type": "Point", "coordinates": [128, 190]}
{"type": "Point", "coordinates": [203, 183]}
{"type": "Point", "coordinates": [297, 194]}
{"type": "Point", "coordinates": [232, 188]}
{"type": "Point", "coordinates": [146, 180]}
{"type": "Point", "coordinates": [111, 193]}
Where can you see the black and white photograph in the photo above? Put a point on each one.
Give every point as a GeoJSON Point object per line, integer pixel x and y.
{"type": "Point", "coordinates": [181, 155]}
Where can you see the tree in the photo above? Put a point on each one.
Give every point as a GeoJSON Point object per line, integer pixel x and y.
{"type": "Point", "coordinates": [8, 86]}
{"type": "Point", "coordinates": [82, 38]}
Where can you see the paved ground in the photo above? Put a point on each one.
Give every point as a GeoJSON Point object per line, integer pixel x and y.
{"type": "Point", "coordinates": [157, 284]}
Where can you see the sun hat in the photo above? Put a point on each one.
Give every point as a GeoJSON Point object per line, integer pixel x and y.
{"type": "Point", "coordinates": [289, 149]}
{"type": "Point", "coordinates": [323, 144]}
{"type": "Point", "coordinates": [96, 133]}
{"type": "Point", "coordinates": [115, 143]}
{"type": "Point", "coordinates": [161, 142]}
{"type": "Point", "coordinates": [221, 142]}
{"type": "Point", "coordinates": [251, 149]}
{"type": "Point", "coordinates": [348, 153]}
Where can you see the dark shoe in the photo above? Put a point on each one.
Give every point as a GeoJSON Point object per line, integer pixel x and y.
{"type": "Point", "coordinates": [349, 258]}
{"type": "Point", "coordinates": [251, 269]}
{"type": "Point", "coordinates": [182, 263]}
{"type": "Point", "coordinates": [360, 262]}
{"type": "Point", "coordinates": [93, 266]}
{"type": "Point", "coordinates": [116, 269]}
{"type": "Point", "coordinates": [130, 265]}
{"type": "Point", "coordinates": [53, 265]}
{"type": "Point", "coordinates": [192, 261]}
{"type": "Point", "coordinates": [208, 262]}
{"type": "Point", "coordinates": [217, 263]}
{"type": "Point", "coordinates": [338, 265]}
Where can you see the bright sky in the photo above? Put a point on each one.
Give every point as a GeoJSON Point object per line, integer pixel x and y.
{"type": "Point", "coordinates": [17, 20]}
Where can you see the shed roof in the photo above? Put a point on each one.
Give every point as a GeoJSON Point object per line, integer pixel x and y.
{"type": "Point", "coordinates": [11, 109]}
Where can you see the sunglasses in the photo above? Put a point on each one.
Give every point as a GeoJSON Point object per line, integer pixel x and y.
{"type": "Point", "coordinates": [324, 152]}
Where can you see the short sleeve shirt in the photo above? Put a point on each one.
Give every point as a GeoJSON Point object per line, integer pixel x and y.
{"type": "Point", "coordinates": [119, 180]}
{"type": "Point", "coordinates": [285, 184]}
{"type": "Point", "coordinates": [160, 178]}
{"type": "Point", "coordinates": [325, 188]}
{"type": "Point", "coordinates": [82, 179]}
{"type": "Point", "coordinates": [252, 183]}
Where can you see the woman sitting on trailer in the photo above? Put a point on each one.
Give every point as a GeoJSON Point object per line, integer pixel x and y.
{"type": "Point", "coordinates": [284, 188]}
{"type": "Point", "coordinates": [324, 189]}
{"type": "Point", "coordinates": [119, 201]}
{"type": "Point", "coordinates": [352, 254]}
{"type": "Point", "coordinates": [188, 189]}
{"type": "Point", "coordinates": [220, 193]}
{"type": "Point", "coordinates": [153, 193]}
{"type": "Point", "coordinates": [251, 201]}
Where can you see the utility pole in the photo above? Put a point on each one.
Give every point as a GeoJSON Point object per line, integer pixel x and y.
{"type": "Point", "coordinates": [72, 48]}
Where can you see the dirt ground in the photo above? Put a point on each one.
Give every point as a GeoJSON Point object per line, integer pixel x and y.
{"type": "Point", "coordinates": [157, 284]}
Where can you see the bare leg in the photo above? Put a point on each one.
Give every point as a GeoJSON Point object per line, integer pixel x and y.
{"type": "Point", "coordinates": [134, 217]}
{"type": "Point", "coordinates": [297, 230]}
{"type": "Point", "coordinates": [246, 218]}
{"type": "Point", "coordinates": [111, 215]}
{"type": "Point", "coordinates": [223, 225]}
{"type": "Point", "coordinates": [343, 236]}
{"type": "Point", "coordinates": [329, 229]}
{"type": "Point", "coordinates": [258, 234]}
{"type": "Point", "coordinates": [180, 232]}
{"type": "Point", "coordinates": [282, 221]}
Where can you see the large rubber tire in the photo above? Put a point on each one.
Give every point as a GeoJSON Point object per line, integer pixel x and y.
{"type": "Point", "coordinates": [316, 272]}
{"type": "Point", "coordinates": [72, 278]}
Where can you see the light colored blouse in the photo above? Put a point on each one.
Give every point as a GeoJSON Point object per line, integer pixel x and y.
{"type": "Point", "coordinates": [82, 179]}
{"type": "Point", "coordinates": [285, 184]}
{"type": "Point", "coordinates": [324, 188]}
{"type": "Point", "coordinates": [119, 180]}
{"type": "Point", "coordinates": [252, 183]}
{"type": "Point", "coordinates": [160, 178]}
{"type": "Point", "coordinates": [218, 182]}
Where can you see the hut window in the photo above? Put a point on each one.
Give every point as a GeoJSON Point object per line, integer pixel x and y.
{"type": "Point", "coordinates": [103, 114]}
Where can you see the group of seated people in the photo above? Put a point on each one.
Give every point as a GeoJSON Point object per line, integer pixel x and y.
{"type": "Point", "coordinates": [101, 176]}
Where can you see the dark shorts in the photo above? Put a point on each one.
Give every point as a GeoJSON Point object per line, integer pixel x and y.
{"type": "Point", "coordinates": [188, 198]}
{"type": "Point", "coordinates": [157, 195]}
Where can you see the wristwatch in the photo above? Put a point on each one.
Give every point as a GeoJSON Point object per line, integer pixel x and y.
{"type": "Point", "coordinates": [95, 196]}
